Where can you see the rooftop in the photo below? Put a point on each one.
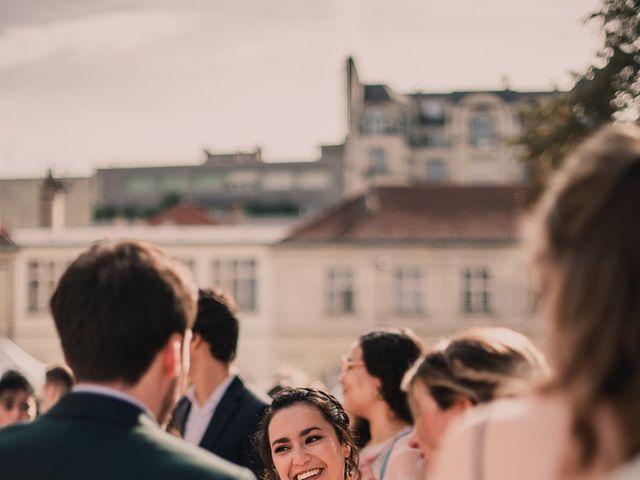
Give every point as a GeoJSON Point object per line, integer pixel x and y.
{"type": "Point", "coordinates": [422, 213]}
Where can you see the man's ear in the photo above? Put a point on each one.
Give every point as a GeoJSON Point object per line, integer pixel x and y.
{"type": "Point", "coordinates": [172, 355]}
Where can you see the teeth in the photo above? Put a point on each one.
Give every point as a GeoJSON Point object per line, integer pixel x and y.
{"type": "Point", "coordinates": [308, 473]}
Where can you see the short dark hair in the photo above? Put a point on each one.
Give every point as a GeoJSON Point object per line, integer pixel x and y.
{"type": "Point", "coordinates": [217, 323]}
{"type": "Point", "coordinates": [13, 380]}
{"type": "Point", "coordinates": [116, 306]}
{"type": "Point", "coordinates": [387, 355]}
{"type": "Point", "coordinates": [331, 410]}
{"type": "Point", "coordinates": [60, 376]}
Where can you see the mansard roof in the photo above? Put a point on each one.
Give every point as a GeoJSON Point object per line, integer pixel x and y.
{"type": "Point", "coordinates": [425, 213]}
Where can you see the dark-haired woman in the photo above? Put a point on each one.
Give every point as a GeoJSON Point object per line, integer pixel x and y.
{"type": "Point", "coordinates": [305, 435]}
{"type": "Point", "coordinates": [471, 368]}
{"type": "Point", "coordinates": [371, 376]}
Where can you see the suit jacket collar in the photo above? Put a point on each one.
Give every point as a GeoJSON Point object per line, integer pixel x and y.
{"type": "Point", "coordinates": [100, 407]}
{"type": "Point", "coordinates": [223, 413]}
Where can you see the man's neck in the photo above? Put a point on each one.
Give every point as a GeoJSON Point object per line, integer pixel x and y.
{"type": "Point", "coordinates": [207, 379]}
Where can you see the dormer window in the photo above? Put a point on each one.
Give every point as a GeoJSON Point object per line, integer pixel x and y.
{"type": "Point", "coordinates": [374, 122]}
{"type": "Point", "coordinates": [482, 129]}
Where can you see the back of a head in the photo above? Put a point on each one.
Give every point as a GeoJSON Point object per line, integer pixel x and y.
{"type": "Point", "coordinates": [387, 355]}
{"type": "Point", "coordinates": [59, 376]}
{"type": "Point", "coordinates": [481, 365]}
{"type": "Point", "coordinates": [116, 306]}
{"type": "Point", "coordinates": [586, 240]}
{"type": "Point", "coordinates": [217, 323]}
{"type": "Point", "coordinates": [13, 380]}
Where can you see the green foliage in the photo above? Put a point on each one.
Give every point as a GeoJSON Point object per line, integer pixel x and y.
{"type": "Point", "coordinates": [600, 95]}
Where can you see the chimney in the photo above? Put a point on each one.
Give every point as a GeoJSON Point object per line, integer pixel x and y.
{"type": "Point", "coordinates": [52, 203]}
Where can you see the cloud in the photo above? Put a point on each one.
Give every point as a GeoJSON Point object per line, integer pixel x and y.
{"type": "Point", "coordinates": [89, 36]}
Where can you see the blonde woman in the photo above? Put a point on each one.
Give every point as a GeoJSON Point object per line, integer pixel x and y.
{"type": "Point", "coordinates": [468, 369]}
{"type": "Point", "coordinates": [586, 245]}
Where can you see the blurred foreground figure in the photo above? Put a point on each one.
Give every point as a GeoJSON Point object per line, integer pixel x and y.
{"type": "Point", "coordinates": [586, 246]}
{"type": "Point", "coordinates": [17, 399]}
{"type": "Point", "coordinates": [58, 381]}
{"type": "Point", "coordinates": [468, 369]}
{"type": "Point", "coordinates": [122, 311]}
{"type": "Point", "coordinates": [219, 412]}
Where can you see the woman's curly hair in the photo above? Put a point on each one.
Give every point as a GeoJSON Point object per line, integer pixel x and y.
{"type": "Point", "coordinates": [331, 410]}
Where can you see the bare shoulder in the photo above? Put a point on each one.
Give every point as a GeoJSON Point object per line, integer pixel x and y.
{"type": "Point", "coordinates": [504, 436]}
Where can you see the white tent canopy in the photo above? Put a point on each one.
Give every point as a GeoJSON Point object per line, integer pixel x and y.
{"type": "Point", "coordinates": [12, 356]}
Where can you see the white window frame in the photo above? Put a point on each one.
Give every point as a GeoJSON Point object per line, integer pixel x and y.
{"type": "Point", "coordinates": [408, 290]}
{"type": "Point", "coordinates": [476, 290]}
{"type": "Point", "coordinates": [340, 291]}
{"type": "Point", "coordinates": [239, 278]}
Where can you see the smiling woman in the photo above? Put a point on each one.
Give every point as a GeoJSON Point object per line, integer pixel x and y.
{"type": "Point", "coordinates": [305, 436]}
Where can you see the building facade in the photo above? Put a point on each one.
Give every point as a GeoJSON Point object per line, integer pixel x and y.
{"type": "Point", "coordinates": [459, 137]}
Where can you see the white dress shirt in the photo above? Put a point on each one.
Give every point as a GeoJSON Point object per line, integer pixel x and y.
{"type": "Point", "coordinates": [200, 415]}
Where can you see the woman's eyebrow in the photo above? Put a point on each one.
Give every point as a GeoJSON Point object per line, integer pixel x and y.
{"type": "Point", "coordinates": [308, 430]}
{"type": "Point", "coordinates": [280, 440]}
{"type": "Point", "coordinates": [302, 434]}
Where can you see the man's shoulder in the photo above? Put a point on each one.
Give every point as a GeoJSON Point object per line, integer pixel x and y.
{"type": "Point", "coordinates": [253, 396]}
{"type": "Point", "coordinates": [144, 450]}
{"type": "Point", "coordinates": [180, 459]}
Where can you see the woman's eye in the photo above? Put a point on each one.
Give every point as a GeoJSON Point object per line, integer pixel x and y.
{"type": "Point", "coordinates": [313, 438]}
{"type": "Point", "coordinates": [280, 449]}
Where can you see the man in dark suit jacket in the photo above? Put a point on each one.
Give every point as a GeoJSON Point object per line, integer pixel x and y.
{"type": "Point", "coordinates": [219, 412]}
{"type": "Point", "coordinates": [122, 312]}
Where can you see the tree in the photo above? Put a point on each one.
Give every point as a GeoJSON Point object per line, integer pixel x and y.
{"type": "Point", "coordinates": [604, 93]}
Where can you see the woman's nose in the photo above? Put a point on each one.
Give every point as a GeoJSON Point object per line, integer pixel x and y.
{"type": "Point", "coordinates": [300, 456]}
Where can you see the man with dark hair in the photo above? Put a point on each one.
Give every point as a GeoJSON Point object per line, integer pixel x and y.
{"type": "Point", "coordinates": [219, 413]}
{"type": "Point", "coordinates": [17, 400]}
{"type": "Point", "coordinates": [122, 311]}
{"type": "Point", "coordinates": [58, 381]}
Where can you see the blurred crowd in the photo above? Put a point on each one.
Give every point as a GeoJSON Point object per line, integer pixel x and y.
{"type": "Point", "coordinates": [150, 389]}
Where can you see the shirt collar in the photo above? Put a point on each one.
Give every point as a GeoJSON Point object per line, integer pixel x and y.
{"type": "Point", "coordinates": [212, 400]}
{"type": "Point", "coordinates": [113, 393]}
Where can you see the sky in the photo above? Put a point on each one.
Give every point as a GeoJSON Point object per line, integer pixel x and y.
{"type": "Point", "coordinates": [88, 84]}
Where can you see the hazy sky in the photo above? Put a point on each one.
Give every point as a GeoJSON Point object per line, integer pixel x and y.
{"type": "Point", "coordinates": [97, 83]}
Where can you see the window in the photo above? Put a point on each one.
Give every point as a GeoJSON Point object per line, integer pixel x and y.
{"type": "Point", "coordinates": [374, 122]}
{"type": "Point", "coordinates": [238, 278]}
{"type": "Point", "coordinates": [432, 112]}
{"type": "Point", "coordinates": [139, 185]}
{"type": "Point", "coordinates": [482, 130]}
{"type": "Point", "coordinates": [282, 180]}
{"type": "Point", "coordinates": [436, 171]}
{"type": "Point", "coordinates": [208, 182]}
{"type": "Point", "coordinates": [42, 279]}
{"type": "Point", "coordinates": [378, 162]}
{"type": "Point", "coordinates": [407, 290]}
{"type": "Point", "coordinates": [241, 180]}
{"type": "Point", "coordinates": [341, 294]}
{"type": "Point", "coordinates": [476, 290]}
{"type": "Point", "coordinates": [313, 180]}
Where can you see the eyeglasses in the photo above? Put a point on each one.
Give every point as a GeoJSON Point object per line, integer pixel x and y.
{"type": "Point", "coordinates": [348, 363]}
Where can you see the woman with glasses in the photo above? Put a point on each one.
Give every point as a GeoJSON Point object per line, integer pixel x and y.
{"type": "Point", "coordinates": [471, 368]}
{"type": "Point", "coordinates": [371, 376]}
